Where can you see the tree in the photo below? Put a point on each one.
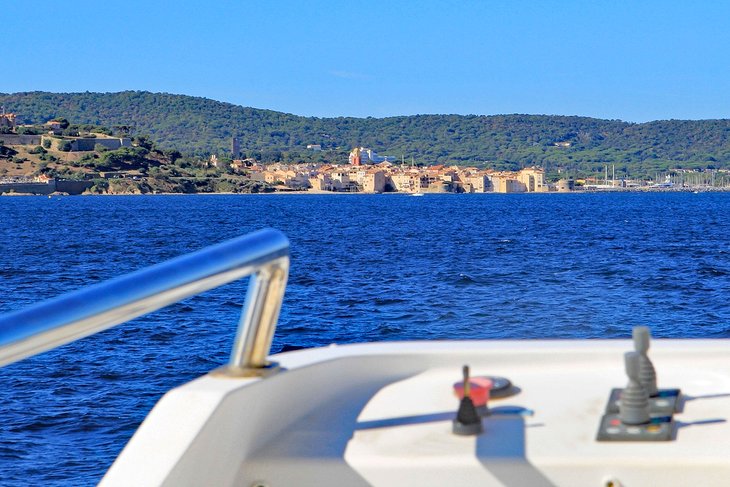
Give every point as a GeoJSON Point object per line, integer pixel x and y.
{"type": "Point", "coordinates": [46, 143]}
{"type": "Point", "coordinates": [42, 168]}
{"type": "Point", "coordinates": [29, 131]}
{"type": "Point", "coordinates": [173, 155]}
{"type": "Point", "coordinates": [143, 141]}
{"type": "Point", "coordinates": [64, 145]}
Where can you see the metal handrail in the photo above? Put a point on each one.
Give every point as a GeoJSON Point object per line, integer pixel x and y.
{"type": "Point", "coordinates": [264, 255]}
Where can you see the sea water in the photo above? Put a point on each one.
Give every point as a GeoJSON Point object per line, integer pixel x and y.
{"type": "Point", "coordinates": [364, 268]}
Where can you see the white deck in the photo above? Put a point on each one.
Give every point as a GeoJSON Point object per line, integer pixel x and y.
{"type": "Point", "coordinates": [381, 414]}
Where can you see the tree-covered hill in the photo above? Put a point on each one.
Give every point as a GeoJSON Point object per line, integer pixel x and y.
{"type": "Point", "coordinates": [202, 126]}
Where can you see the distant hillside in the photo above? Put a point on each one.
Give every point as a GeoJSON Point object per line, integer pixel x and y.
{"type": "Point", "coordinates": [201, 126]}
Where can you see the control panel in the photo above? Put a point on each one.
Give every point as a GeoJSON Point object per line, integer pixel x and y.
{"type": "Point", "coordinates": [565, 420]}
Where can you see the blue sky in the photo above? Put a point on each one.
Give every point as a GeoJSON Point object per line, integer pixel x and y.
{"type": "Point", "coordinates": [628, 60]}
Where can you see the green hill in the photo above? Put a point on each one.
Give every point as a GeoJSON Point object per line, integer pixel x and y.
{"type": "Point", "coordinates": [202, 126]}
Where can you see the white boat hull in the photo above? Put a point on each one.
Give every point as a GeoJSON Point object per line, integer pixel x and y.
{"type": "Point", "coordinates": [381, 414]}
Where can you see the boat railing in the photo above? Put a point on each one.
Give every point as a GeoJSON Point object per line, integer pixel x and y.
{"type": "Point", "coordinates": [263, 255]}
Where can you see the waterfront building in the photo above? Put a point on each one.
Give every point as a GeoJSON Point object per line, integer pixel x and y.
{"type": "Point", "coordinates": [341, 181]}
{"type": "Point", "coordinates": [506, 182]}
{"type": "Point", "coordinates": [341, 176]}
{"type": "Point", "coordinates": [564, 185]}
{"type": "Point", "coordinates": [478, 183]}
{"type": "Point", "coordinates": [407, 182]}
{"type": "Point", "coordinates": [321, 182]}
{"type": "Point", "coordinates": [441, 186]}
{"type": "Point", "coordinates": [533, 179]}
{"type": "Point", "coordinates": [374, 182]}
{"type": "Point", "coordinates": [298, 181]}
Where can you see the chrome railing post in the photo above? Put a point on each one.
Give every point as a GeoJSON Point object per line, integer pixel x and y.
{"type": "Point", "coordinates": [258, 318]}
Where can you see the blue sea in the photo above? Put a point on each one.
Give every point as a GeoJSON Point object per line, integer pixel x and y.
{"type": "Point", "coordinates": [364, 268]}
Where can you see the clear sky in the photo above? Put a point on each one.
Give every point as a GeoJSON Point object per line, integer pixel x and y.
{"type": "Point", "coordinates": [629, 60]}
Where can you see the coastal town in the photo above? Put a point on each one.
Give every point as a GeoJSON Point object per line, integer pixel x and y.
{"type": "Point", "coordinates": [367, 172]}
{"type": "Point", "coordinates": [75, 161]}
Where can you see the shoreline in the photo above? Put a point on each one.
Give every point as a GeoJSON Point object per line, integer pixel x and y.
{"type": "Point", "coordinates": [393, 193]}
